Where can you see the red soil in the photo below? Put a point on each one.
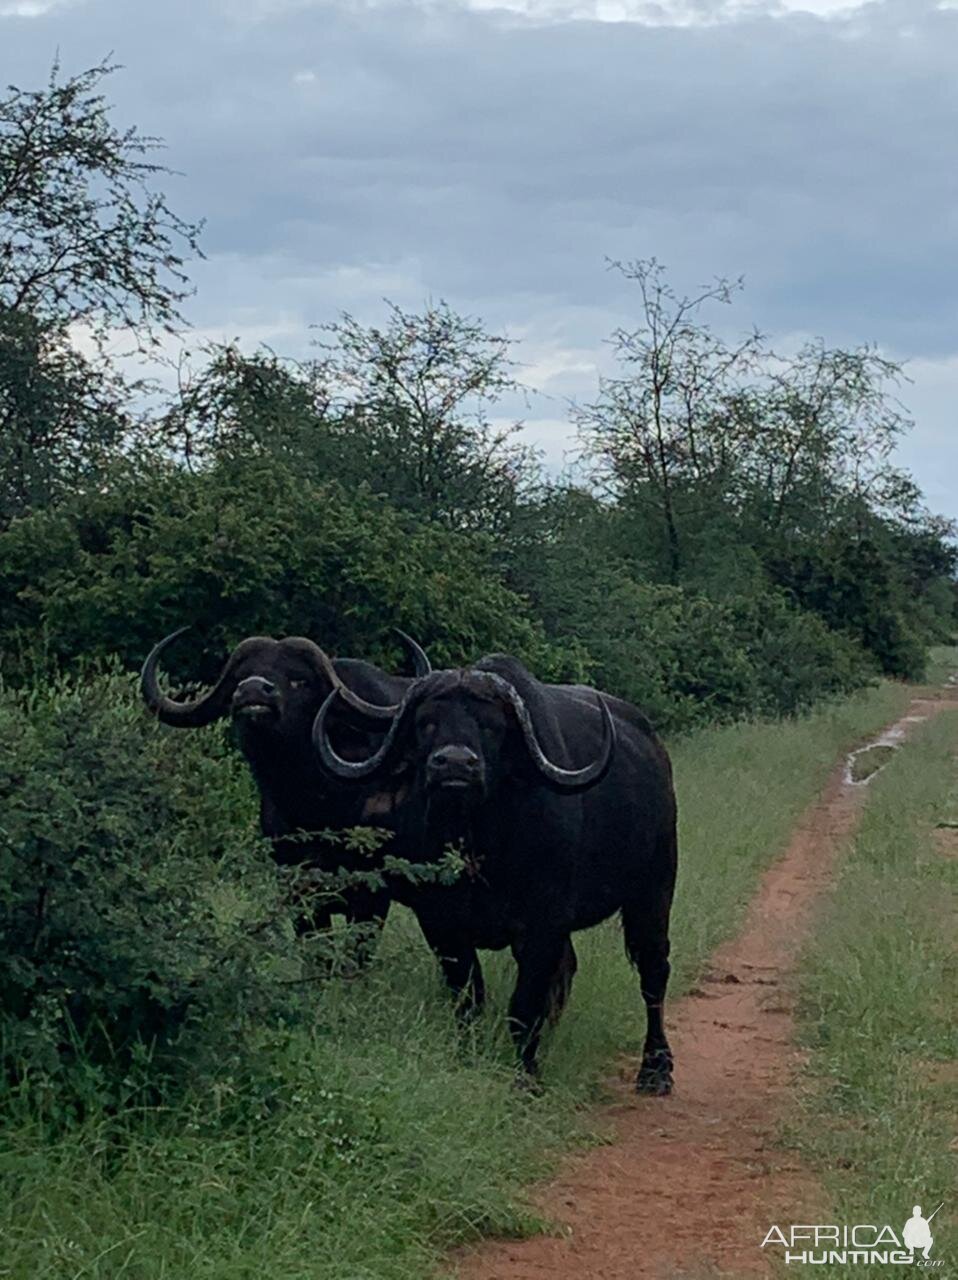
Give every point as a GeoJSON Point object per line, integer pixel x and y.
{"type": "Point", "coordinates": [691, 1183]}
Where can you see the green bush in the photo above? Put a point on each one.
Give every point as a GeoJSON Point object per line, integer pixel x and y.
{"type": "Point", "coordinates": [685, 657]}
{"type": "Point", "coordinates": [245, 549]}
{"type": "Point", "coordinates": [855, 585]}
{"type": "Point", "coordinates": [796, 658]}
{"type": "Point", "coordinates": [139, 908]}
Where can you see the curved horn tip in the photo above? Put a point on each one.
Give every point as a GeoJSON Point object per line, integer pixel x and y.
{"type": "Point", "coordinates": [331, 761]}
{"type": "Point", "coordinates": [182, 715]}
{"type": "Point", "coordinates": [161, 644]}
{"type": "Point", "coordinates": [420, 659]}
{"type": "Point", "coordinates": [148, 669]}
{"type": "Point", "coordinates": [368, 712]}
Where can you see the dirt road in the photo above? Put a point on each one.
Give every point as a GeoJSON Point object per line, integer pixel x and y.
{"type": "Point", "coordinates": [691, 1183]}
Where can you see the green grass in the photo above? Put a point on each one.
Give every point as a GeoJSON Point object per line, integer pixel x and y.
{"type": "Point", "coordinates": [361, 1148]}
{"type": "Point", "coordinates": [878, 1005]}
{"type": "Point", "coordinates": [943, 662]}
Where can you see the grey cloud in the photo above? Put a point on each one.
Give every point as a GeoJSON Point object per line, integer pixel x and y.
{"type": "Point", "coordinates": [496, 161]}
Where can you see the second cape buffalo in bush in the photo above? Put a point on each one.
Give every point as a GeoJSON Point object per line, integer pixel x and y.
{"type": "Point", "coordinates": [272, 691]}
{"type": "Point", "coordinates": [561, 802]}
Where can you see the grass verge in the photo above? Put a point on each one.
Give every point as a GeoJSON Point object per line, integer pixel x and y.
{"type": "Point", "coordinates": [878, 1005]}
{"type": "Point", "coordinates": [363, 1146]}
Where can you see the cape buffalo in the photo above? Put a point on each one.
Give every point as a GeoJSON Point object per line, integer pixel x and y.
{"type": "Point", "coordinates": [561, 801]}
{"type": "Point", "coordinates": [272, 691]}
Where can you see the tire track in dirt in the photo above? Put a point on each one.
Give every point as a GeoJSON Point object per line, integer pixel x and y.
{"type": "Point", "coordinates": [691, 1183]}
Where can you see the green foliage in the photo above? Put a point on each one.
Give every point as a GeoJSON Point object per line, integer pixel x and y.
{"type": "Point", "coordinates": [136, 901]}
{"type": "Point", "coordinates": [62, 418]}
{"type": "Point", "coordinates": [413, 399]}
{"type": "Point", "coordinates": [729, 456]}
{"type": "Point", "coordinates": [796, 658]}
{"type": "Point", "coordinates": [236, 405]}
{"type": "Point", "coordinates": [857, 587]}
{"type": "Point", "coordinates": [402, 409]}
{"type": "Point", "coordinates": [685, 656]}
{"type": "Point", "coordinates": [252, 548]}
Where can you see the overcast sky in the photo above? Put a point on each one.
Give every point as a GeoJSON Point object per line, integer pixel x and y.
{"type": "Point", "coordinates": [495, 154]}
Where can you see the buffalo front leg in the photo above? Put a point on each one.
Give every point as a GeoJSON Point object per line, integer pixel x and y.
{"type": "Point", "coordinates": [545, 970]}
{"type": "Point", "coordinates": [461, 970]}
{"type": "Point", "coordinates": [646, 926]}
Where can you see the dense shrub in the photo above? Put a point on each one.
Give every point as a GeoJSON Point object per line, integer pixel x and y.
{"type": "Point", "coordinates": [796, 658]}
{"type": "Point", "coordinates": [685, 657]}
{"type": "Point", "coordinates": [245, 549]}
{"type": "Point", "coordinates": [137, 904]}
{"type": "Point", "coordinates": [856, 587]}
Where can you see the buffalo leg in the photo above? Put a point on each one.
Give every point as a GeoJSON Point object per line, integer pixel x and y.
{"type": "Point", "coordinates": [561, 982]}
{"type": "Point", "coordinates": [646, 925]}
{"type": "Point", "coordinates": [543, 972]}
{"type": "Point", "coordinates": [461, 970]}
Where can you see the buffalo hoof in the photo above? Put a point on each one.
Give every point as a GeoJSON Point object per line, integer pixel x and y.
{"type": "Point", "coordinates": [528, 1084]}
{"type": "Point", "coordinates": [655, 1075]}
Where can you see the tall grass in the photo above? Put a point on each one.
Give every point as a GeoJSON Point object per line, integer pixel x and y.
{"type": "Point", "coordinates": [878, 1005]}
{"type": "Point", "coordinates": [364, 1145]}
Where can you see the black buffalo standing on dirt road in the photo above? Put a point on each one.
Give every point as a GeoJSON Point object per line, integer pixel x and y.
{"type": "Point", "coordinates": [272, 691]}
{"type": "Point", "coordinates": [561, 800]}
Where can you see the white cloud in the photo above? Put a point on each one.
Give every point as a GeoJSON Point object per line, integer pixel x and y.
{"type": "Point", "coordinates": [553, 439]}
{"type": "Point", "coordinates": [679, 13]}
{"type": "Point", "coordinates": [27, 8]}
{"type": "Point", "coordinates": [555, 370]}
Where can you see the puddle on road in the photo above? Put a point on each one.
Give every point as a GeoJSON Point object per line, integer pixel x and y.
{"type": "Point", "coordinates": [863, 764]}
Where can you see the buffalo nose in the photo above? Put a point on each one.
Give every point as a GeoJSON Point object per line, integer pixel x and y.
{"type": "Point", "coordinates": [455, 758]}
{"type": "Point", "coordinates": [257, 684]}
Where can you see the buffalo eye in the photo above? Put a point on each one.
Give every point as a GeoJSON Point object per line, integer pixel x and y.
{"type": "Point", "coordinates": [297, 684]}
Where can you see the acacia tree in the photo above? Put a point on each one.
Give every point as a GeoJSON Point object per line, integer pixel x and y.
{"type": "Point", "coordinates": [657, 429]}
{"type": "Point", "coordinates": [85, 240]}
{"type": "Point", "coordinates": [820, 430]}
{"type": "Point", "coordinates": [233, 405]}
{"type": "Point", "coordinates": [411, 399]}
{"type": "Point", "coordinates": [84, 236]}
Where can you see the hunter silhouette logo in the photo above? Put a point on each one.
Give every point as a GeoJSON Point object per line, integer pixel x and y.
{"type": "Point", "coordinates": [916, 1233]}
{"type": "Point", "coordinates": [864, 1242]}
